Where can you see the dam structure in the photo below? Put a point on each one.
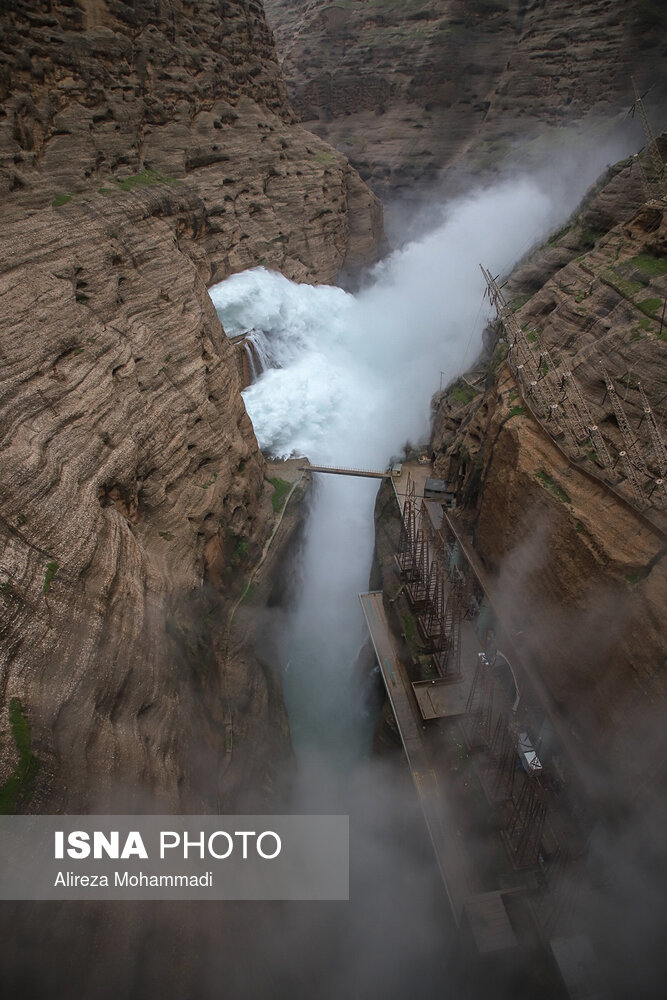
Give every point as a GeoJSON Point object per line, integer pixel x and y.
{"type": "Point", "coordinates": [486, 747]}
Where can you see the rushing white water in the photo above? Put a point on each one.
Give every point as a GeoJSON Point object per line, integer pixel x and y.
{"type": "Point", "coordinates": [351, 382]}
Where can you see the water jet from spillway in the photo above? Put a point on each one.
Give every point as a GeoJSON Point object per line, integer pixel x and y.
{"type": "Point", "coordinates": [352, 379]}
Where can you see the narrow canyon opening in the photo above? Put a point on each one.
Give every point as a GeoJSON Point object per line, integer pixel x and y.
{"type": "Point", "coordinates": [346, 380]}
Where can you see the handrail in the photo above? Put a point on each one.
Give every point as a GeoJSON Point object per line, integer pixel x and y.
{"type": "Point", "coordinates": [339, 470]}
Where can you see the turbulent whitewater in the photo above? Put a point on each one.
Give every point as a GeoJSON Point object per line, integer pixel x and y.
{"type": "Point", "coordinates": [348, 382]}
{"type": "Point", "coordinates": [353, 374]}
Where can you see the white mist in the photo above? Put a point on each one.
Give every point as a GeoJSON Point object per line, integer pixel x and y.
{"type": "Point", "coordinates": [352, 381]}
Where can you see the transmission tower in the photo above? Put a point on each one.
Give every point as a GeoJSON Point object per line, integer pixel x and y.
{"type": "Point", "coordinates": [656, 440]}
{"type": "Point", "coordinates": [653, 186]}
{"type": "Point", "coordinates": [581, 421]}
{"type": "Point", "coordinates": [656, 436]}
{"type": "Point", "coordinates": [534, 372]}
{"type": "Point", "coordinates": [630, 455]}
{"type": "Point", "coordinates": [538, 375]}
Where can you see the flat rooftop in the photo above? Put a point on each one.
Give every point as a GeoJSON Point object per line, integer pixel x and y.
{"type": "Point", "coordinates": [442, 698]}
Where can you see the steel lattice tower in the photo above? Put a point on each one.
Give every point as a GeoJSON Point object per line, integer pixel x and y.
{"type": "Point", "coordinates": [630, 456]}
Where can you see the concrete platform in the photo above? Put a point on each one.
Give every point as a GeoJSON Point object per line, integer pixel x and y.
{"type": "Point", "coordinates": [442, 699]}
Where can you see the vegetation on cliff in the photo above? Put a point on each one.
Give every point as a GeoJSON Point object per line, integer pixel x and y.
{"type": "Point", "coordinates": [582, 563]}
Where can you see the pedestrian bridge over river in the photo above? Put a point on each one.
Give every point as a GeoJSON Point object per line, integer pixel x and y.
{"type": "Point", "coordinates": [392, 473]}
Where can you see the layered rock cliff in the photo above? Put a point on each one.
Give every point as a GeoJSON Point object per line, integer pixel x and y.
{"type": "Point", "coordinates": [146, 150]}
{"type": "Point", "coordinates": [580, 562]}
{"type": "Point", "coordinates": [94, 93]}
{"type": "Point", "coordinates": [408, 88]}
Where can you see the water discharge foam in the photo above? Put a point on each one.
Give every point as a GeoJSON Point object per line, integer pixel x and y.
{"type": "Point", "coordinates": [352, 382]}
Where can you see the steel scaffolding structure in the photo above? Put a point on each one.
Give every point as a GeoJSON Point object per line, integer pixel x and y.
{"type": "Point", "coordinates": [479, 707]}
{"type": "Point", "coordinates": [631, 457]}
{"type": "Point", "coordinates": [496, 767]}
{"type": "Point", "coordinates": [408, 537]}
{"type": "Point", "coordinates": [418, 578]}
{"type": "Point", "coordinates": [447, 656]}
{"type": "Point", "coordinates": [433, 536]}
{"type": "Point", "coordinates": [525, 827]}
{"type": "Point", "coordinates": [432, 622]}
{"type": "Point", "coordinates": [506, 763]}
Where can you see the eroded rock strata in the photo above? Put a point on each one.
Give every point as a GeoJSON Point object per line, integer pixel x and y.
{"type": "Point", "coordinates": [405, 89]}
{"type": "Point", "coordinates": [581, 569]}
{"type": "Point", "coordinates": [146, 151]}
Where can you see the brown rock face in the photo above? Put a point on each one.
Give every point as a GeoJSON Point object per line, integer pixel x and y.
{"type": "Point", "coordinates": [146, 151]}
{"type": "Point", "coordinates": [406, 88]}
{"type": "Point", "coordinates": [95, 93]}
{"type": "Point", "coordinates": [583, 574]}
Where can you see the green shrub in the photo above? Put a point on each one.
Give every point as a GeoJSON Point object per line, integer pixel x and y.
{"type": "Point", "coordinates": [650, 265]}
{"type": "Point", "coordinates": [19, 785]}
{"type": "Point", "coordinates": [588, 237]}
{"type": "Point", "coordinates": [549, 484]}
{"type": "Point", "coordinates": [280, 490]}
{"type": "Point", "coordinates": [241, 549]}
{"type": "Point", "coordinates": [462, 392]}
{"type": "Point", "coordinates": [51, 570]}
{"type": "Point", "coordinates": [145, 179]}
{"type": "Point", "coordinates": [650, 306]}
{"type": "Point", "coordinates": [516, 411]}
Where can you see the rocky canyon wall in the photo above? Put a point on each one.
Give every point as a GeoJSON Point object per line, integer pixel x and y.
{"type": "Point", "coordinates": [407, 88]}
{"type": "Point", "coordinates": [146, 150]}
{"type": "Point", "coordinates": [581, 568]}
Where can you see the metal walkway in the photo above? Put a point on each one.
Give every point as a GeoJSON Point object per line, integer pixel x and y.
{"type": "Point", "coordinates": [452, 858]}
{"type": "Point", "coordinates": [336, 471]}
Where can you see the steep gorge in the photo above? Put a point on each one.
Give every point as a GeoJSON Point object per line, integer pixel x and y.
{"type": "Point", "coordinates": [148, 151]}
{"type": "Point", "coordinates": [145, 152]}
{"type": "Point", "coordinates": [581, 567]}
{"type": "Point", "coordinates": [407, 89]}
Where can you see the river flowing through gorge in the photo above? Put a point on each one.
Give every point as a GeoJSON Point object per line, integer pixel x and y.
{"type": "Point", "coordinates": [348, 381]}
